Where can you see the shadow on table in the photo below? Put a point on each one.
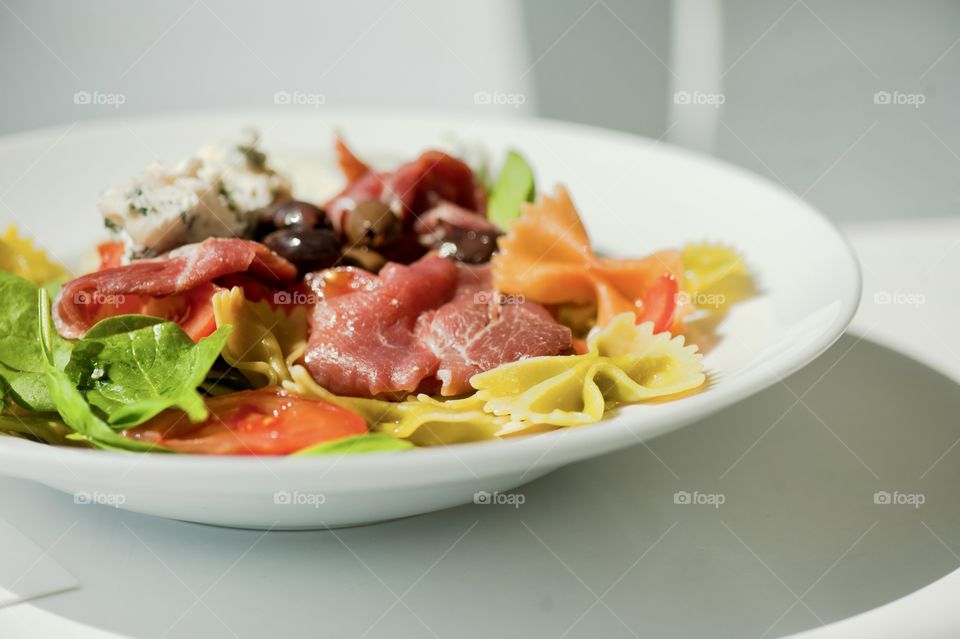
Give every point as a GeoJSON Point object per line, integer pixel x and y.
{"type": "Point", "coordinates": [810, 502]}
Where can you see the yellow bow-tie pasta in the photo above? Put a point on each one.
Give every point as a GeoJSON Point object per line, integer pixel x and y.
{"type": "Point", "coordinates": [705, 265]}
{"type": "Point", "coordinates": [421, 419]}
{"type": "Point", "coordinates": [265, 341]}
{"type": "Point", "coordinates": [20, 257]}
{"type": "Point", "coordinates": [626, 363]}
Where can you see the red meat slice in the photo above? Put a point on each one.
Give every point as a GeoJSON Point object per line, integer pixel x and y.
{"type": "Point", "coordinates": [84, 301]}
{"type": "Point", "coordinates": [411, 189]}
{"type": "Point", "coordinates": [362, 343]}
{"type": "Point", "coordinates": [426, 327]}
{"type": "Point", "coordinates": [353, 167]}
{"type": "Point", "coordinates": [447, 215]}
{"type": "Point", "coordinates": [480, 329]}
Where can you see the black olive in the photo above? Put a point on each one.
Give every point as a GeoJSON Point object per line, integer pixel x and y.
{"type": "Point", "coordinates": [365, 258]}
{"type": "Point", "coordinates": [298, 215]}
{"type": "Point", "coordinates": [308, 249]}
{"type": "Point", "coordinates": [471, 247]}
{"type": "Point", "coordinates": [372, 223]}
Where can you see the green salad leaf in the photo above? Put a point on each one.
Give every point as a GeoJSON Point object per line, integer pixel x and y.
{"type": "Point", "coordinates": [132, 367]}
{"type": "Point", "coordinates": [21, 356]}
{"type": "Point", "coordinates": [124, 371]}
{"type": "Point", "coordinates": [514, 187]}
{"type": "Point", "coordinates": [69, 401]}
{"type": "Point", "coordinates": [368, 443]}
{"type": "Point", "coordinates": [44, 427]}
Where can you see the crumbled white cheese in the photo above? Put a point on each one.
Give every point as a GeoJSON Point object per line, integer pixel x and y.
{"type": "Point", "coordinates": [216, 193]}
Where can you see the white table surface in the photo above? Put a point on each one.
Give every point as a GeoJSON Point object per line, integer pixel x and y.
{"type": "Point", "coordinates": [600, 549]}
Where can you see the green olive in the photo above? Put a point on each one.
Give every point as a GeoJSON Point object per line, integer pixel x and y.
{"type": "Point", "coordinates": [372, 223]}
{"type": "Point", "coordinates": [365, 258]}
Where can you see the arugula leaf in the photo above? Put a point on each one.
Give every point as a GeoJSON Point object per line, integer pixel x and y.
{"type": "Point", "coordinates": [368, 443]}
{"type": "Point", "coordinates": [70, 403]}
{"type": "Point", "coordinates": [21, 357]}
{"type": "Point", "coordinates": [132, 367]}
{"type": "Point", "coordinates": [514, 187]}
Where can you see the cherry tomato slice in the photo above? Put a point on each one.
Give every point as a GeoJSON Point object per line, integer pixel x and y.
{"type": "Point", "coordinates": [660, 304]}
{"type": "Point", "coordinates": [111, 254]}
{"type": "Point", "coordinates": [268, 421]}
{"type": "Point", "coordinates": [192, 310]}
{"type": "Point", "coordinates": [334, 282]}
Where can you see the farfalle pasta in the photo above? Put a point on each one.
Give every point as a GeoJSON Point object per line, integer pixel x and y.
{"type": "Point", "coordinates": [463, 418]}
{"type": "Point", "coordinates": [265, 341]}
{"type": "Point", "coordinates": [626, 363]}
{"type": "Point", "coordinates": [707, 265]}
{"type": "Point", "coordinates": [19, 256]}
{"type": "Point", "coordinates": [546, 257]}
{"type": "Point", "coordinates": [423, 420]}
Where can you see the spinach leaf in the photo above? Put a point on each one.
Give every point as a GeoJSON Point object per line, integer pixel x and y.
{"type": "Point", "coordinates": [21, 357]}
{"type": "Point", "coordinates": [514, 187]}
{"type": "Point", "coordinates": [70, 403]}
{"type": "Point", "coordinates": [132, 367]}
{"type": "Point", "coordinates": [369, 443]}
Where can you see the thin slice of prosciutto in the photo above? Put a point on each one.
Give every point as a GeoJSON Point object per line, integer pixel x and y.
{"type": "Point", "coordinates": [480, 329]}
{"type": "Point", "coordinates": [411, 189]}
{"type": "Point", "coordinates": [426, 327]}
{"type": "Point", "coordinates": [126, 289]}
{"type": "Point", "coordinates": [446, 215]}
{"type": "Point", "coordinates": [363, 343]}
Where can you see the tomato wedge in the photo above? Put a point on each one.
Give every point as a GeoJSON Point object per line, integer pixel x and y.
{"type": "Point", "coordinates": [660, 304]}
{"type": "Point", "coordinates": [334, 282]}
{"type": "Point", "coordinates": [268, 421]}
{"type": "Point", "coordinates": [111, 254]}
{"type": "Point", "coordinates": [192, 310]}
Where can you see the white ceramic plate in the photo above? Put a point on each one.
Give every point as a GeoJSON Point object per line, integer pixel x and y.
{"type": "Point", "coordinates": [635, 196]}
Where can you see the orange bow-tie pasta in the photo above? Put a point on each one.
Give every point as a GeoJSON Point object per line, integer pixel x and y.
{"type": "Point", "coordinates": [546, 257]}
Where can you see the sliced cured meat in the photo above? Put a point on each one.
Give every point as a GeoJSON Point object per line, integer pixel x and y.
{"type": "Point", "coordinates": [411, 189]}
{"type": "Point", "coordinates": [363, 343]}
{"type": "Point", "coordinates": [353, 167]}
{"type": "Point", "coordinates": [426, 327]}
{"type": "Point", "coordinates": [436, 177]}
{"type": "Point", "coordinates": [480, 329]}
{"type": "Point", "coordinates": [448, 215]}
{"type": "Point", "coordinates": [129, 289]}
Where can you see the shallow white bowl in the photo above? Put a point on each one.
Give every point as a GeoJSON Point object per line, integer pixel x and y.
{"type": "Point", "coordinates": [635, 196]}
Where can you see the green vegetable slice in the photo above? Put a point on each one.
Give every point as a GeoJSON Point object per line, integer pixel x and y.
{"type": "Point", "coordinates": [514, 187]}
{"type": "Point", "coordinates": [369, 443]}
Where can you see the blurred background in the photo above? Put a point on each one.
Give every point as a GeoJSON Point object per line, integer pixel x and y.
{"type": "Point", "coordinates": [847, 104]}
